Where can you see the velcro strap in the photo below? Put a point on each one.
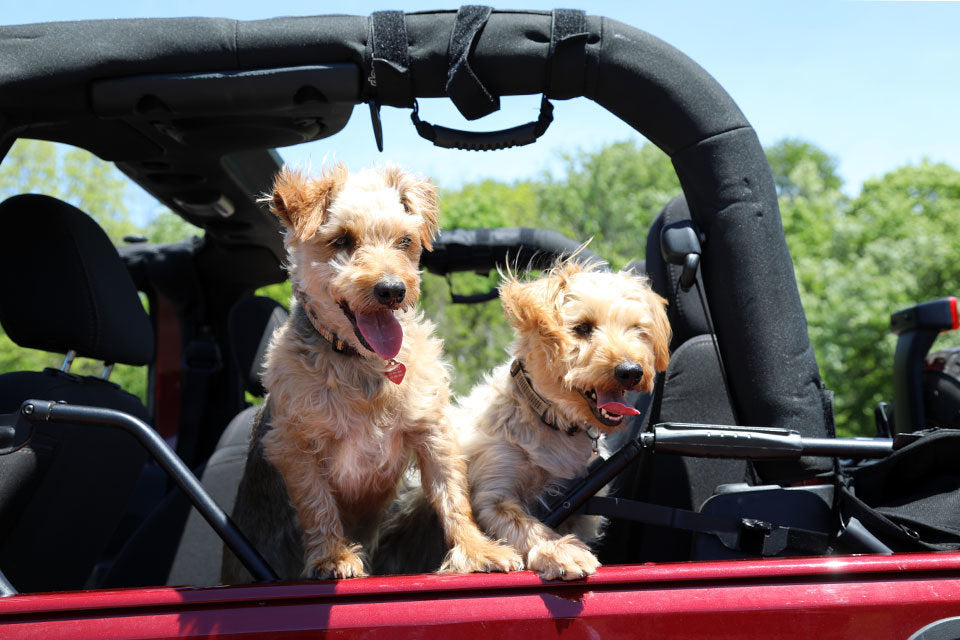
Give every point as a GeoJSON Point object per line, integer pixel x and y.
{"type": "Point", "coordinates": [568, 52]}
{"type": "Point", "coordinates": [390, 60]}
{"type": "Point", "coordinates": [464, 88]}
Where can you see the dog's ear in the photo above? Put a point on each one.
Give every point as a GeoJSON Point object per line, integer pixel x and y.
{"type": "Point", "coordinates": [301, 202]}
{"type": "Point", "coordinates": [534, 306]}
{"type": "Point", "coordinates": [662, 332]}
{"type": "Point", "coordinates": [419, 198]}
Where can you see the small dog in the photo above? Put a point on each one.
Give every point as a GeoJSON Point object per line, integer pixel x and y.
{"type": "Point", "coordinates": [583, 338]}
{"type": "Point", "coordinates": [357, 385]}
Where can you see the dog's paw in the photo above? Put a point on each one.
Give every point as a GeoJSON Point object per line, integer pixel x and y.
{"type": "Point", "coordinates": [566, 559]}
{"type": "Point", "coordinates": [481, 556]}
{"type": "Point", "coordinates": [346, 564]}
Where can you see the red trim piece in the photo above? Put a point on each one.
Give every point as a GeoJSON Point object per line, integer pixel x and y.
{"type": "Point", "coordinates": [953, 313]}
{"type": "Point", "coordinates": [874, 597]}
{"type": "Point", "coordinates": [943, 564]}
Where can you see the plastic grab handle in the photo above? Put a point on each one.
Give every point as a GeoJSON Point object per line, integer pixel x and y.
{"type": "Point", "coordinates": [485, 140]}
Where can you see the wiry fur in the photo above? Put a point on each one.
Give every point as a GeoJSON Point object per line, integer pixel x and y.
{"type": "Point", "coordinates": [512, 456]}
{"type": "Point", "coordinates": [341, 434]}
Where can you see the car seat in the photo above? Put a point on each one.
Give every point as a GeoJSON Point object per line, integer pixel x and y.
{"type": "Point", "coordinates": [692, 390]}
{"type": "Point", "coordinates": [65, 289]}
{"type": "Point", "coordinates": [175, 545]}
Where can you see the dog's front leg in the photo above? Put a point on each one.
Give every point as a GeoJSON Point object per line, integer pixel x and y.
{"type": "Point", "coordinates": [495, 477]}
{"type": "Point", "coordinates": [327, 554]}
{"type": "Point", "coordinates": [444, 479]}
{"type": "Point", "coordinates": [546, 552]}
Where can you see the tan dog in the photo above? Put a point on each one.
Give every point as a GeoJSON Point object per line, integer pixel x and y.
{"type": "Point", "coordinates": [357, 385]}
{"type": "Point", "coordinates": [583, 338]}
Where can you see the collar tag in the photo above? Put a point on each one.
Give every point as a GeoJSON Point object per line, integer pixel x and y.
{"type": "Point", "coordinates": [396, 371]}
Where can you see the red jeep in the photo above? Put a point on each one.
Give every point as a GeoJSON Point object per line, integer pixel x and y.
{"type": "Point", "coordinates": [716, 530]}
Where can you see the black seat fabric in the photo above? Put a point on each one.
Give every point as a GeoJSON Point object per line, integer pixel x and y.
{"type": "Point", "coordinates": [199, 554]}
{"type": "Point", "coordinates": [693, 391]}
{"type": "Point", "coordinates": [71, 289]}
{"type": "Point", "coordinates": [251, 324]}
{"type": "Point", "coordinates": [62, 496]}
{"type": "Point", "coordinates": [175, 545]}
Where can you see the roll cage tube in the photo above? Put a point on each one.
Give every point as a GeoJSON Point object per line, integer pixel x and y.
{"type": "Point", "coordinates": [648, 84]}
{"type": "Point", "coordinates": [223, 526]}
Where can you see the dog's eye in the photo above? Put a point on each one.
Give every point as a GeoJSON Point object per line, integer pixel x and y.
{"type": "Point", "coordinates": [404, 242]}
{"type": "Point", "coordinates": [584, 329]}
{"type": "Point", "coordinates": [342, 242]}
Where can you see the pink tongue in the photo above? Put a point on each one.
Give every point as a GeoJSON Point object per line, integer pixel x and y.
{"type": "Point", "coordinates": [612, 403]}
{"type": "Point", "coordinates": [382, 332]}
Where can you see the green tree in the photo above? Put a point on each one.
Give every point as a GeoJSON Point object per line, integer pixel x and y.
{"type": "Point", "coordinates": [893, 247]}
{"type": "Point", "coordinates": [787, 155]}
{"type": "Point", "coordinates": [476, 335]}
{"type": "Point", "coordinates": [72, 175]}
{"type": "Point", "coordinates": [611, 195]}
{"type": "Point", "coordinates": [166, 226]}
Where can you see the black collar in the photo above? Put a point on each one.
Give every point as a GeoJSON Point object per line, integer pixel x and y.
{"type": "Point", "coordinates": [339, 344]}
{"type": "Point", "coordinates": [541, 407]}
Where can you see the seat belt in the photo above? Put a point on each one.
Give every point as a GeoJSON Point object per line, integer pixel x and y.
{"type": "Point", "coordinates": [749, 535]}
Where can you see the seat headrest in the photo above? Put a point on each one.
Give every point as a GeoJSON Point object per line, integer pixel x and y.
{"type": "Point", "coordinates": [686, 314]}
{"type": "Point", "coordinates": [66, 287]}
{"type": "Point", "coordinates": [251, 323]}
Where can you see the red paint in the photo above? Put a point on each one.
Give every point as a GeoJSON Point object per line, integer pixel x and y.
{"type": "Point", "coordinates": [953, 313]}
{"type": "Point", "coordinates": [840, 597]}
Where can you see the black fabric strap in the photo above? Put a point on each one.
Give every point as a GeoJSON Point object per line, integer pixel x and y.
{"type": "Point", "coordinates": [390, 60]}
{"type": "Point", "coordinates": [567, 61]}
{"type": "Point", "coordinates": [463, 86]}
{"type": "Point", "coordinates": [751, 536]}
{"type": "Point", "coordinates": [897, 537]}
{"type": "Point", "coordinates": [201, 361]}
{"type": "Point", "coordinates": [336, 342]}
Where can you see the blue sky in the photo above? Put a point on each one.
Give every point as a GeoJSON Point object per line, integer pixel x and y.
{"type": "Point", "coordinates": [873, 83]}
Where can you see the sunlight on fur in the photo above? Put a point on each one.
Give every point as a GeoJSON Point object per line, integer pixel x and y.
{"type": "Point", "coordinates": [342, 429]}
{"type": "Point", "coordinates": [585, 337]}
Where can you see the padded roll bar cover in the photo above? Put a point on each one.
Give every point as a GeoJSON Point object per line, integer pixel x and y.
{"type": "Point", "coordinates": [747, 269]}
{"type": "Point", "coordinates": [486, 249]}
{"type": "Point", "coordinates": [752, 292]}
{"type": "Point", "coordinates": [647, 83]}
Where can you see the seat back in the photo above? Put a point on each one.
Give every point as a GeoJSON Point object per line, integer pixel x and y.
{"type": "Point", "coordinates": [197, 560]}
{"type": "Point", "coordinates": [251, 323]}
{"type": "Point", "coordinates": [692, 390]}
{"type": "Point", "coordinates": [175, 545]}
{"type": "Point", "coordinates": [62, 495]}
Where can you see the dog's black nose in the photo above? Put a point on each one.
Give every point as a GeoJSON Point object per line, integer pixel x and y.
{"type": "Point", "coordinates": [628, 373]}
{"type": "Point", "coordinates": [390, 291]}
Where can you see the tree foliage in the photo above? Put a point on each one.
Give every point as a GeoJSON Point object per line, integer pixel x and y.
{"type": "Point", "coordinates": [893, 246]}
{"type": "Point", "coordinates": [856, 259]}
{"type": "Point", "coordinates": [476, 335]}
{"type": "Point", "coordinates": [611, 195]}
